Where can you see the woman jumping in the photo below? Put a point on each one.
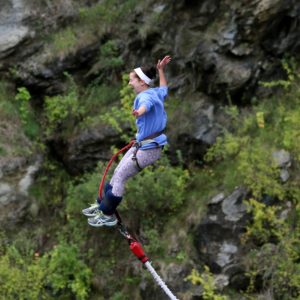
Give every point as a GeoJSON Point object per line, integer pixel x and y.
{"type": "Point", "coordinates": [151, 120]}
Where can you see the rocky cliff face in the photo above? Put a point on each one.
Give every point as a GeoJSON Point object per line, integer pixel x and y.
{"type": "Point", "coordinates": [221, 50]}
{"type": "Point", "coordinates": [217, 46]}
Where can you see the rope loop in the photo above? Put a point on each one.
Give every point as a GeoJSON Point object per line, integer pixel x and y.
{"type": "Point", "coordinates": [109, 164]}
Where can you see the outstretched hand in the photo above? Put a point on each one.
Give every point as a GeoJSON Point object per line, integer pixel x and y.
{"type": "Point", "coordinates": [162, 63]}
{"type": "Point", "coordinates": [135, 113]}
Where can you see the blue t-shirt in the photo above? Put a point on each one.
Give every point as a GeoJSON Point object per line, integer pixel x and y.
{"type": "Point", "coordinates": [155, 118]}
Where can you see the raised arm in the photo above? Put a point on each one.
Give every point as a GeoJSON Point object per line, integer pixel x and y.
{"type": "Point", "coordinates": [160, 67]}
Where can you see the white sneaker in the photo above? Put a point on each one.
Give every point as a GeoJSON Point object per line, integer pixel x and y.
{"type": "Point", "coordinates": [103, 220]}
{"type": "Point", "coordinates": [91, 211]}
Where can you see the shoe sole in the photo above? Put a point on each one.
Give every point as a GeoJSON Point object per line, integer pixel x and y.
{"type": "Point", "coordinates": [109, 224]}
{"type": "Point", "coordinates": [89, 215]}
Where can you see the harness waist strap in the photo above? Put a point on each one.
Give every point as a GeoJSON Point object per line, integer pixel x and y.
{"type": "Point", "coordinates": [154, 135]}
{"type": "Point", "coordinates": [147, 140]}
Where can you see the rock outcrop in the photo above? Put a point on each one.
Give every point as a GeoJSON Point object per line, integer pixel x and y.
{"type": "Point", "coordinates": [221, 50]}
{"type": "Point", "coordinates": [217, 237]}
{"type": "Point", "coordinates": [17, 176]}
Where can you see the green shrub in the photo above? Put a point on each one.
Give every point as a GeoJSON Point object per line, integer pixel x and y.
{"type": "Point", "coordinates": [258, 171]}
{"type": "Point", "coordinates": [158, 189]}
{"type": "Point", "coordinates": [90, 23]}
{"type": "Point", "coordinates": [64, 41]}
{"type": "Point", "coordinates": [84, 192]}
{"type": "Point", "coordinates": [290, 67]}
{"type": "Point", "coordinates": [30, 125]}
{"type": "Point", "coordinates": [23, 96]}
{"type": "Point", "coordinates": [119, 296]}
{"type": "Point", "coordinates": [276, 267]}
{"type": "Point", "coordinates": [276, 264]}
{"type": "Point", "coordinates": [67, 272]}
{"type": "Point", "coordinates": [50, 186]}
{"type": "Point", "coordinates": [266, 224]}
{"type": "Point", "coordinates": [100, 96]}
{"type": "Point", "coordinates": [153, 244]}
{"type": "Point", "coordinates": [120, 117]}
{"type": "Point", "coordinates": [253, 160]}
{"type": "Point", "coordinates": [272, 124]}
{"type": "Point", "coordinates": [20, 278]}
{"type": "Point", "coordinates": [2, 151]}
{"type": "Point", "coordinates": [225, 147]}
{"type": "Point", "coordinates": [206, 280]}
{"type": "Point", "coordinates": [97, 99]}
{"type": "Point", "coordinates": [285, 109]}
{"type": "Point", "coordinates": [109, 62]}
{"type": "Point", "coordinates": [62, 111]}
{"type": "Point", "coordinates": [8, 109]}
{"type": "Point", "coordinates": [31, 276]}
{"type": "Point", "coordinates": [291, 129]}
{"type": "Point", "coordinates": [107, 14]}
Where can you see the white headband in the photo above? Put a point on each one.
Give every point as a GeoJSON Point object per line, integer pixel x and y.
{"type": "Point", "coordinates": [142, 75]}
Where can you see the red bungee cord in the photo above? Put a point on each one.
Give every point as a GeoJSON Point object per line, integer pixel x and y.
{"type": "Point", "coordinates": [109, 164]}
{"type": "Point", "coordinates": [135, 246]}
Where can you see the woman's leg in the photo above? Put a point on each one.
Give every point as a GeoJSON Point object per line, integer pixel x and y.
{"type": "Point", "coordinates": [128, 167]}
{"type": "Point", "coordinates": [126, 157]}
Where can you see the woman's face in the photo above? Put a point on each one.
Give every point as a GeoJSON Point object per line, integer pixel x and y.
{"type": "Point", "coordinates": [136, 83]}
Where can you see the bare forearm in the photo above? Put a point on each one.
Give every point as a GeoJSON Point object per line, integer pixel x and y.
{"type": "Point", "coordinates": [160, 67]}
{"type": "Point", "coordinates": [139, 112]}
{"type": "Point", "coordinates": [162, 78]}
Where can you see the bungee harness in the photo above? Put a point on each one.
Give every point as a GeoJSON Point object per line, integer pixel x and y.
{"type": "Point", "coordinates": [147, 140]}
{"type": "Point", "coordinates": [134, 245]}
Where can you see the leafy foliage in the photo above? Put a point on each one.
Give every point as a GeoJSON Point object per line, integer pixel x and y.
{"type": "Point", "coordinates": [254, 162]}
{"type": "Point", "coordinates": [266, 223]}
{"type": "Point", "coordinates": [108, 12]}
{"type": "Point", "coordinates": [273, 125]}
{"type": "Point", "coordinates": [277, 265]}
{"type": "Point", "coordinates": [290, 67]}
{"type": "Point", "coordinates": [109, 62]}
{"type": "Point", "coordinates": [31, 128]}
{"type": "Point", "coordinates": [50, 186]}
{"type": "Point", "coordinates": [164, 183]}
{"type": "Point", "coordinates": [63, 110]}
{"type": "Point", "coordinates": [206, 280]}
{"type": "Point", "coordinates": [67, 272]}
{"type": "Point", "coordinates": [120, 117]}
{"type": "Point", "coordinates": [35, 277]}
{"type": "Point", "coordinates": [99, 97]}
{"type": "Point", "coordinates": [165, 186]}
{"type": "Point", "coordinates": [83, 191]}
{"type": "Point", "coordinates": [7, 107]}
{"type": "Point", "coordinates": [18, 279]}
{"type": "Point", "coordinates": [291, 129]}
{"type": "Point", "coordinates": [274, 231]}
{"type": "Point", "coordinates": [64, 40]}
{"type": "Point", "coordinates": [90, 23]}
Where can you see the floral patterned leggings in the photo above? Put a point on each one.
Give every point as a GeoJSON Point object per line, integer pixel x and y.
{"type": "Point", "coordinates": [128, 167]}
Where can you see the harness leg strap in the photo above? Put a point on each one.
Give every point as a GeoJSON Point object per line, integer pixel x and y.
{"type": "Point", "coordinates": [137, 146]}
{"type": "Point", "coordinates": [134, 157]}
